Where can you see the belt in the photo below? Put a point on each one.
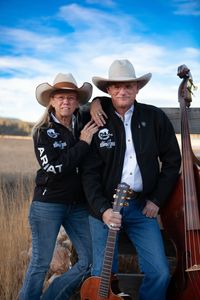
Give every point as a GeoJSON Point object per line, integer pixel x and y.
{"type": "Point", "coordinates": [133, 194]}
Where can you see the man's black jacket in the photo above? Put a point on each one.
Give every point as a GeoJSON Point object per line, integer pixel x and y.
{"type": "Point", "coordinates": [157, 153]}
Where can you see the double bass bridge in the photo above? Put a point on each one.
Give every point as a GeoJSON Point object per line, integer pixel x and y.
{"type": "Point", "coordinates": [193, 268]}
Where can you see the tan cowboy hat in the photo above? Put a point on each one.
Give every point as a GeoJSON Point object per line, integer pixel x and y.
{"type": "Point", "coordinates": [120, 71]}
{"type": "Point", "coordinates": [63, 82]}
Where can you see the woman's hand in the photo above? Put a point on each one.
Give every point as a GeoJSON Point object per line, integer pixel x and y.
{"type": "Point", "coordinates": [97, 113]}
{"type": "Point", "coordinates": [88, 131]}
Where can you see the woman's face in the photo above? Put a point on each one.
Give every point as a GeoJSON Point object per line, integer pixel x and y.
{"type": "Point", "coordinates": [64, 103]}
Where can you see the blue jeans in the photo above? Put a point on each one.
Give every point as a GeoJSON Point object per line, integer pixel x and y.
{"type": "Point", "coordinates": [45, 221]}
{"type": "Point", "coordinates": [145, 234]}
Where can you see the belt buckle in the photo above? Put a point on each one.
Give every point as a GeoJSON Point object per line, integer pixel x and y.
{"type": "Point", "coordinates": [132, 194]}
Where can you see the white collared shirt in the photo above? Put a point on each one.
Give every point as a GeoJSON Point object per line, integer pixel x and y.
{"type": "Point", "coordinates": [73, 121]}
{"type": "Point", "coordinates": [131, 172]}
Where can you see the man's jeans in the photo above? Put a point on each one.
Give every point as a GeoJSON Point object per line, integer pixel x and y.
{"type": "Point", "coordinates": [145, 234]}
{"type": "Point", "coordinates": [45, 221]}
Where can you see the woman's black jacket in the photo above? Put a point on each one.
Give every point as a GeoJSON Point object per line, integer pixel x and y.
{"type": "Point", "coordinates": [60, 153]}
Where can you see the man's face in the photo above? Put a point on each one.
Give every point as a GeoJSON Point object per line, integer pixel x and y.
{"type": "Point", "coordinates": [123, 94]}
{"type": "Point", "coordinates": [64, 104]}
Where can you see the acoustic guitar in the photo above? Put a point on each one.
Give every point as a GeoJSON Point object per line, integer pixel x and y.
{"type": "Point", "coordinates": [99, 288]}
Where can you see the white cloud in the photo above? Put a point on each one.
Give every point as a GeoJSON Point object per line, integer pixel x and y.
{"type": "Point", "coordinates": [18, 100]}
{"type": "Point", "coordinates": [96, 40]}
{"type": "Point", "coordinates": [187, 7]}
{"type": "Point", "coordinates": [26, 41]}
{"type": "Point", "coordinates": [108, 3]}
{"type": "Point", "coordinates": [24, 66]}
{"type": "Point", "coordinates": [97, 22]}
{"type": "Point", "coordinates": [19, 91]}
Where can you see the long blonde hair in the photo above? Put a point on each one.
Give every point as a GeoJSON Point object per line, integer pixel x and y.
{"type": "Point", "coordinates": [44, 120]}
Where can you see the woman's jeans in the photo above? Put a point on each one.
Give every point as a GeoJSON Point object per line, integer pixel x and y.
{"type": "Point", "coordinates": [45, 221]}
{"type": "Point", "coordinates": [145, 234]}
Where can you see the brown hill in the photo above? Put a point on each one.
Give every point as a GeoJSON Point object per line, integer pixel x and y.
{"type": "Point", "coordinates": [10, 126]}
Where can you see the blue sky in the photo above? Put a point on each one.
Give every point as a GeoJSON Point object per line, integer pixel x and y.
{"type": "Point", "coordinates": [42, 38]}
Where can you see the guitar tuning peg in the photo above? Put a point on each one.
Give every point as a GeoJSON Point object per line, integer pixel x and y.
{"type": "Point", "coordinates": [114, 196]}
{"type": "Point", "coordinates": [126, 204]}
{"type": "Point", "coordinates": [128, 198]}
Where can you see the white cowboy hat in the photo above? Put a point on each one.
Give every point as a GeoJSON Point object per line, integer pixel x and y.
{"type": "Point", "coordinates": [120, 71]}
{"type": "Point", "coordinates": [63, 82]}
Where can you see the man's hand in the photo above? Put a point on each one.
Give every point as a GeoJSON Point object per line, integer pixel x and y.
{"type": "Point", "coordinates": [97, 113]}
{"type": "Point", "coordinates": [150, 210]}
{"type": "Point", "coordinates": [112, 219]}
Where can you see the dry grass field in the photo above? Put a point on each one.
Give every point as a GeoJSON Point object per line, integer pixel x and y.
{"type": "Point", "coordinates": [17, 168]}
{"type": "Point", "coordinates": [17, 171]}
{"type": "Point", "coordinates": [17, 155]}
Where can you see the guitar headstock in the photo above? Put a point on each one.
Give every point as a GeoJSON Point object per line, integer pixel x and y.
{"type": "Point", "coordinates": [120, 197]}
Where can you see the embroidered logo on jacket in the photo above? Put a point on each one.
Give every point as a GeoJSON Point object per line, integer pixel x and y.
{"type": "Point", "coordinates": [106, 141]}
{"type": "Point", "coordinates": [51, 133]}
{"type": "Point", "coordinates": [104, 134]}
{"type": "Point", "coordinates": [59, 144]}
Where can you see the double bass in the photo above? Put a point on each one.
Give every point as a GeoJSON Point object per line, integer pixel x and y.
{"type": "Point", "coordinates": [181, 214]}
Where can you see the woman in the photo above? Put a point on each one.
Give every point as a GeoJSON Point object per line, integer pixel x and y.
{"type": "Point", "coordinates": [61, 143]}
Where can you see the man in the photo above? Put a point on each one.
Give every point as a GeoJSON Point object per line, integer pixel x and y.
{"type": "Point", "coordinates": [136, 145]}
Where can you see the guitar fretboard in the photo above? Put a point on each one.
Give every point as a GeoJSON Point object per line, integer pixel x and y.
{"type": "Point", "coordinates": [107, 264]}
{"type": "Point", "coordinates": [104, 287]}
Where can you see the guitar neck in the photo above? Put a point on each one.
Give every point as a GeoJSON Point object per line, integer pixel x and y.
{"type": "Point", "coordinates": [107, 264]}
{"type": "Point", "coordinates": [104, 287]}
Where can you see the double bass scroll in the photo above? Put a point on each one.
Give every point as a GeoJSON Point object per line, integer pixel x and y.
{"type": "Point", "coordinates": [181, 215]}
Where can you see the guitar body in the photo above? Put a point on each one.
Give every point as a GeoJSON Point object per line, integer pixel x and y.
{"type": "Point", "coordinates": [90, 290]}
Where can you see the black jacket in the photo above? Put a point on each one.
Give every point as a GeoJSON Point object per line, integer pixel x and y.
{"type": "Point", "coordinates": [60, 153]}
{"type": "Point", "coordinates": [154, 140]}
